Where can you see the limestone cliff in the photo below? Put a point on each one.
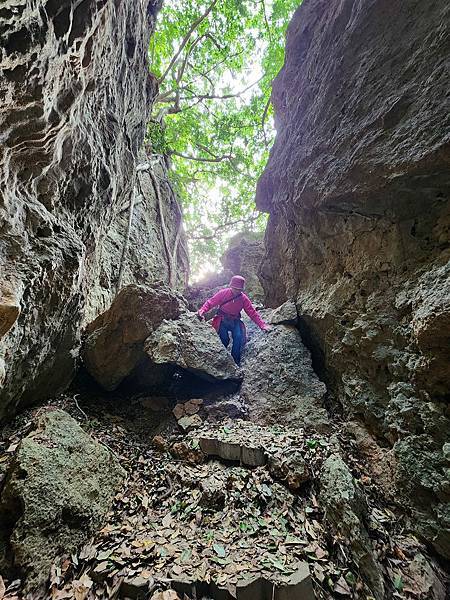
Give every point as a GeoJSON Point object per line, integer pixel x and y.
{"type": "Point", "coordinates": [76, 93]}
{"type": "Point", "coordinates": [357, 190]}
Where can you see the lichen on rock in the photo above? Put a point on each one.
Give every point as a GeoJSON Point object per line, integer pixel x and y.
{"type": "Point", "coordinates": [57, 492]}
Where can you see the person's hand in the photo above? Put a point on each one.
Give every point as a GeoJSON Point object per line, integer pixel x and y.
{"type": "Point", "coordinates": [200, 317]}
{"type": "Point", "coordinates": [267, 328]}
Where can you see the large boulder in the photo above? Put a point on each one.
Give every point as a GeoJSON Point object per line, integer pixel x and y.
{"type": "Point", "coordinates": [280, 385]}
{"type": "Point", "coordinates": [57, 492]}
{"type": "Point", "coordinates": [192, 345]}
{"type": "Point", "coordinates": [115, 340]}
{"type": "Point", "coordinates": [345, 510]}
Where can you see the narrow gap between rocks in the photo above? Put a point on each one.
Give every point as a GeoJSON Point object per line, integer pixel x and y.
{"type": "Point", "coordinates": [156, 156]}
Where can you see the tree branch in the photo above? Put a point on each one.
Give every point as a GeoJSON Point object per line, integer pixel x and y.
{"type": "Point", "coordinates": [220, 97]}
{"type": "Point", "coordinates": [266, 21]}
{"type": "Point", "coordinates": [219, 227]}
{"type": "Point", "coordinates": [186, 38]}
{"type": "Point", "coordinates": [215, 159]}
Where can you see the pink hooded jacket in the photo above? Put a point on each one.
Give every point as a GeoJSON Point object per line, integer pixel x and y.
{"type": "Point", "coordinates": [232, 307]}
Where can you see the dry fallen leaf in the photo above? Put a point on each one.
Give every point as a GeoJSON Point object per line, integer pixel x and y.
{"type": "Point", "coordinates": [341, 587]}
{"type": "Point", "coordinates": [167, 595]}
{"type": "Point", "coordinates": [81, 587]}
{"type": "Point", "coordinates": [65, 594]}
{"type": "Point", "coordinates": [2, 587]}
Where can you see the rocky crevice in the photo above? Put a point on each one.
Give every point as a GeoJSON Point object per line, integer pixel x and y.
{"type": "Point", "coordinates": [356, 189]}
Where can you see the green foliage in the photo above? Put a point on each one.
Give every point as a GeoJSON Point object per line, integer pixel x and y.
{"type": "Point", "coordinates": [214, 102]}
{"type": "Point", "coordinates": [156, 138]}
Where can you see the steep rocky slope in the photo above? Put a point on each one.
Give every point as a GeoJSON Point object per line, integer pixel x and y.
{"type": "Point", "coordinates": [76, 93]}
{"type": "Point", "coordinates": [357, 190]}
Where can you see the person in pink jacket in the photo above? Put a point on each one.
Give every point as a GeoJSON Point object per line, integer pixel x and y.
{"type": "Point", "coordinates": [230, 302]}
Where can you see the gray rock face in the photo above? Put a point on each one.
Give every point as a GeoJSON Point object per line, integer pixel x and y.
{"type": "Point", "coordinates": [356, 187]}
{"type": "Point", "coordinates": [146, 261]}
{"type": "Point", "coordinates": [422, 474]}
{"type": "Point", "coordinates": [286, 313]}
{"type": "Point", "coordinates": [76, 93]}
{"type": "Point", "coordinates": [192, 345]}
{"type": "Point", "coordinates": [345, 510]}
{"type": "Point", "coordinates": [279, 383]}
{"type": "Point", "coordinates": [57, 492]}
{"type": "Point", "coordinates": [243, 256]}
{"type": "Point", "coordinates": [115, 340]}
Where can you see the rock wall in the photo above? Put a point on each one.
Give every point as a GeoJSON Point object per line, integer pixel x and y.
{"type": "Point", "coordinates": [75, 92]}
{"type": "Point", "coordinates": [357, 189]}
{"type": "Point", "coordinates": [242, 256]}
{"type": "Point", "coordinates": [146, 258]}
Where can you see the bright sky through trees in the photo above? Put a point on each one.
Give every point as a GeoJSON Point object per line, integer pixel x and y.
{"type": "Point", "coordinates": [215, 61]}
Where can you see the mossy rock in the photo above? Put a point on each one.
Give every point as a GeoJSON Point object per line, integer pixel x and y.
{"type": "Point", "coordinates": [57, 492]}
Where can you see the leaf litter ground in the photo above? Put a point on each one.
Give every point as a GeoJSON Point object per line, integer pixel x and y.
{"type": "Point", "coordinates": [183, 516]}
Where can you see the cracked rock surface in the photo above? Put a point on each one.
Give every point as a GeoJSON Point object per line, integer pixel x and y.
{"type": "Point", "coordinates": [75, 93]}
{"type": "Point", "coordinates": [357, 190]}
{"type": "Point", "coordinates": [280, 385]}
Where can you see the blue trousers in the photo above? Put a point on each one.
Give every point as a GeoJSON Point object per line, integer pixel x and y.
{"type": "Point", "coordinates": [228, 326]}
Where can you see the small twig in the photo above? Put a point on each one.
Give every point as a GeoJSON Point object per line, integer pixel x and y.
{"type": "Point", "coordinates": [108, 448]}
{"type": "Point", "coordinates": [169, 490]}
{"type": "Point", "coordinates": [80, 409]}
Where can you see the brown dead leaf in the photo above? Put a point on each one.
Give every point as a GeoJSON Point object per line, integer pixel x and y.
{"type": "Point", "coordinates": [178, 411]}
{"type": "Point", "coordinates": [64, 594]}
{"type": "Point", "coordinates": [81, 587]}
{"type": "Point", "coordinates": [177, 569]}
{"type": "Point", "coordinates": [399, 553]}
{"type": "Point", "coordinates": [167, 520]}
{"type": "Point", "coordinates": [320, 553]}
{"type": "Point", "coordinates": [341, 587]}
{"type": "Point", "coordinates": [2, 587]}
{"type": "Point", "coordinates": [167, 595]}
{"type": "Point", "coordinates": [101, 567]}
{"type": "Point", "coordinates": [146, 574]}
